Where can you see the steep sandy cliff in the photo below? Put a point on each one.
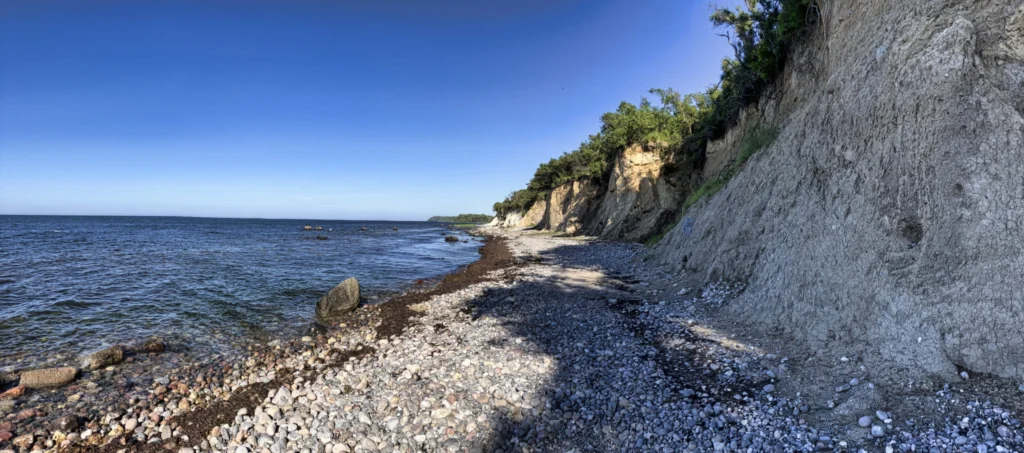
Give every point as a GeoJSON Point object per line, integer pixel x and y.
{"type": "Point", "coordinates": [570, 206]}
{"type": "Point", "coordinates": [886, 220]}
{"type": "Point", "coordinates": [637, 200]}
{"type": "Point", "coordinates": [531, 219]}
{"type": "Point", "coordinates": [631, 205]}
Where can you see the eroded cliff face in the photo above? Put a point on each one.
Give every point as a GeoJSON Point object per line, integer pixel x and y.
{"type": "Point", "coordinates": [886, 219]}
{"type": "Point", "coordinates": [631, 205]}
{"type": "Point", "coordinates": [570, 207]}
{"type": "Point", "coordinates": [531, 219]}
{"type": "Point", "coordinates": [637, 200]}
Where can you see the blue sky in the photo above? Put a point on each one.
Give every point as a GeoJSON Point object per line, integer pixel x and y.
{"type": "Point", "coordinates": [396, 109]}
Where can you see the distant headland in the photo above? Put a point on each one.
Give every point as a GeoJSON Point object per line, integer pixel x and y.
{"type": "Point", "coordinates": [462, 218]}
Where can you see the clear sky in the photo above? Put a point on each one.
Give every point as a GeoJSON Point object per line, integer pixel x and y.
{"type": "Point", "coordinates": [396, 109]}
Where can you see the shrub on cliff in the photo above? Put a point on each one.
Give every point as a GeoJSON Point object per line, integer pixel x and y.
{"type": "Point", "coordinates": [761, 34]}
{"type": "Point", "coordinates": [757, 138]}
{"type": "Point", "coordinates": [462, 218]}
{"type": "Point", "coordinates": [665, 123]}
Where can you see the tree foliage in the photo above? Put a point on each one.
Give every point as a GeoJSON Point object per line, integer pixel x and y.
{"type": "Point", "coordinates": [663, 123]}
{"type": "Point", "coordinates": [462, 218]}
{"type": "Point", "coordinates": [761, 33]}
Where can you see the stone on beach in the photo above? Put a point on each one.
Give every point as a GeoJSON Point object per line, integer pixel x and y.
{"type": "Point", "coordinates": [48, 377]}
{"type": "Point", "coordinates": [341, 300]}
{"type": "Point", "coordinates": [13, 393]}
{"type": "Point", "coordinates": [453, 382]}
{"type": "Point", "coordinates": [103, 358]}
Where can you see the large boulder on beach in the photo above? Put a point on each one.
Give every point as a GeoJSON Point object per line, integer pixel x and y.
{"type": "Point", "coordinates": [103, 358]}
{"type": "Point", "coordinates": [48, 377]}
{"type": "Point", "coordinates": [341, 300]}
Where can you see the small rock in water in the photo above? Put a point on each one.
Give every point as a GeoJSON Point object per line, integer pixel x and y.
{"type": "Point", "coordinates": [103, 358]}
{"type": "Point", "coordinates": [154, 345]}
{"type": "Point", "coordinates": [13, 393]}
{"type": "Point", "coordinates": [769, 388]}
{"type": "Point", "coordinates": [23, 441]}
{"type": "Point", "coordinates": [67, 423]}
{"type": "Point", "coordinates": [48, 377]}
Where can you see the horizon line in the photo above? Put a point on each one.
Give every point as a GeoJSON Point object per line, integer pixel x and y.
{"type": "Point", "coordinates": [221, 218]}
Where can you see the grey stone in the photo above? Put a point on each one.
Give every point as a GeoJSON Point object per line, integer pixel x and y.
{"type": "Point", "coordinates": [341, 300]}
{"type": "Point", "coordinates": [877, 431]}
{"type": "Point", "coordinates": [283, 397]}
{"type": "Point", "coordinates": [103, 358]}
{"type": "Point", "coordinates": [48, 377]}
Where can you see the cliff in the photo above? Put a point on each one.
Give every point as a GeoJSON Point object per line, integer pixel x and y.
{"type": "Point", "coordinates": [631, 205]}
{"type": "Point", "coordinates": [884, 219]}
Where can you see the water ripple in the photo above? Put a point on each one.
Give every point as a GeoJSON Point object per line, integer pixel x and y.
{"type": "Point", "coordinates": [71, 284]}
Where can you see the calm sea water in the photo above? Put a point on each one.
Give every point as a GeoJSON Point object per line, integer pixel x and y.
{"type": "Point", "coordinates": [73, 284]}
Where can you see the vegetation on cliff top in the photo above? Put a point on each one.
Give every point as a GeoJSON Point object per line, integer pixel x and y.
{"type": "Point", "coordinates": [761, 34]}
{"type": "Point", "coordinates": [462, 218]}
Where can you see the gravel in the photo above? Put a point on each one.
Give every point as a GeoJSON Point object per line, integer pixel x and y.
{"type": "Point", "coordinates": [572, 349]}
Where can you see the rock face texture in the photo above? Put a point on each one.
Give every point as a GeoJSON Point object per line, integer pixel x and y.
{"type": "Point", "coordinates": [886, 219]}
{"type": "Point", "coordinates": [569, 207]}
{"type": "Point", "coordinates": [341, 300]}
{"type": "Point", "coordinates": [531, 219]}
{"type": "Point", "coordinates": [637, 200]}
{"type": "Point", "coordinates": [631, 205]}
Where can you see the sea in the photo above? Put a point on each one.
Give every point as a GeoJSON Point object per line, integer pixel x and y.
{"type": "Point", "coordinates": [70, 285]}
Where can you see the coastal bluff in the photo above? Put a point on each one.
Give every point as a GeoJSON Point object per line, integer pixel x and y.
{"type": "Point", "coordinates": [884, 219]}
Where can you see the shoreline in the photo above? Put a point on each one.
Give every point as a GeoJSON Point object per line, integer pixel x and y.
{"type": "Point", "coordinates": [186, 388]}
{"type": "Point", "coordinates": [558, 344]}
{"type": "Point", "coordinates": [215, 286]}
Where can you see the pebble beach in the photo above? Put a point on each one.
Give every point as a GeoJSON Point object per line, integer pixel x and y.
{"type": "Point", "coordinates": [545, 344]}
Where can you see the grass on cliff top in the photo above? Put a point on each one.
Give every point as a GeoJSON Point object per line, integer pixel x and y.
{"type": "Point", "coordinates": [757, 138]}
